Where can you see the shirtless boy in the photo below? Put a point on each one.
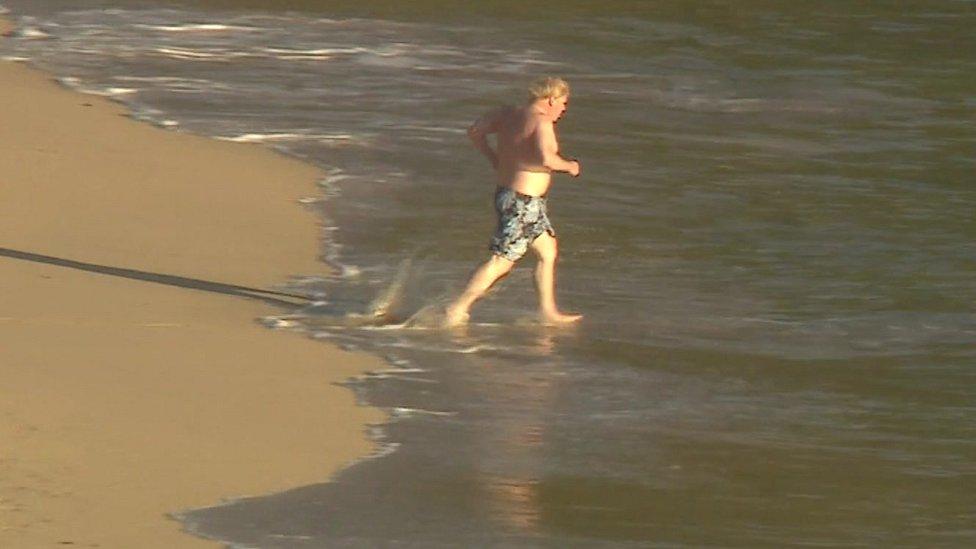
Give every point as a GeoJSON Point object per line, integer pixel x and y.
{"type": "Point", "coordinates": [525, 155]}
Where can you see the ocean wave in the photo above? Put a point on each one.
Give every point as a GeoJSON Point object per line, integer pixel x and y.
{"type": "Point", "coordinates": [401, 411]}
{"type": "Point", "coordinates": [399, 378]}
{"type": "Point", "coordinates": [190, 54]}
{"type": "Point", "coordinates": [280, 137]}
{"type": "Point", "coordinates": [315, 53]}
{"type": "Point", "coordinates": [406, 370]}
{"type": "Point", "coordinates": [197, 27]}
{"type": "Point", "coordinates": [30, 33]}
{"type": "Point", "coordinates": [152, 116]}
{"type": "Point", "coordinates": [176, 84]}
{"type": "Point", "coordinates": [76, 84]}
{"type": "Point", "coordinates": [278, 323]}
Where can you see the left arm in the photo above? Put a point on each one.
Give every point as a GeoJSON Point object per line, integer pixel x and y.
{"type": "Point", "coordinates": [549, 150]}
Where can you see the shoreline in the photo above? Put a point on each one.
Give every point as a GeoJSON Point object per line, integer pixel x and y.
{"type": "Point", "coordinates": [136, 382]}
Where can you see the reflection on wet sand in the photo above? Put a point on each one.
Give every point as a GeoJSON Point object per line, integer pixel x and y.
{"type": "Point", "coordinates": [510, 461]}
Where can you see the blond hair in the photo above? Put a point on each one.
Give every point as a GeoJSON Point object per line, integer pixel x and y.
{"type": "Point", "coordinates": [549, 87]}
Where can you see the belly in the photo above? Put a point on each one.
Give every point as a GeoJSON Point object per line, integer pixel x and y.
{"type": "Point", "coordinates": [530, 183]}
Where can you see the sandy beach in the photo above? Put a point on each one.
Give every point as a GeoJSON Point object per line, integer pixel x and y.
{"type": "Point", "coordinates": [135, 381]}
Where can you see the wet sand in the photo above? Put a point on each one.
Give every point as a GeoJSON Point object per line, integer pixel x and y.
{"type": "Point", "coordinates": [135, 381]}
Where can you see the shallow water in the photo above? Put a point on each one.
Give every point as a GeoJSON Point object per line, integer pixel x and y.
{"type": "Point", "coordinates": [773, 245]}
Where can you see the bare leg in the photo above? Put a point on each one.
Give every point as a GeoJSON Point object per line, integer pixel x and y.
{"type": "Point", "coordinates": [482, 279]}
{"type": "Point", "coordinates": [546, 248]}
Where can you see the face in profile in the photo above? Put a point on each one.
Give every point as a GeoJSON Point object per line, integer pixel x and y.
{"type": "Point", "coordinates": [558, 106]}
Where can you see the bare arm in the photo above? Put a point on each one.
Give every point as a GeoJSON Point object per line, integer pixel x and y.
{"type": "Point", "coordinates": [479, 132]}
{"type": "Point", "coordinates": [549, 147]}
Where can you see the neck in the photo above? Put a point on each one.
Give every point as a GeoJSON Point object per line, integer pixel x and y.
{"type": "Point", "coordinates": [540, 106]}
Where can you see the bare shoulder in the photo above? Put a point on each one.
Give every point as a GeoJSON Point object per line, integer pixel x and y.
{"type": "Point", "coordinates": [491, 119]}
{"type": "Point", "coordinates": [543, 125]}
{"type": "Point", "coordinates": [528, 122]}
{"type": "Point", "coordinates": [533, 118]}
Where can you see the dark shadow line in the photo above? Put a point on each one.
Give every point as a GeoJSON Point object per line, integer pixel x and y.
{"type": "Point", "coordinates": [169, 280]}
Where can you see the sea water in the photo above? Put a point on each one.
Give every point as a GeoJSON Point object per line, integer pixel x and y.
{"type": "Point", "coordinates": [772, 244]}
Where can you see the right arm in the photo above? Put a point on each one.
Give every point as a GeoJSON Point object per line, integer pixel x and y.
{"type": "Point", "coordinates": [479, 132]}
{"type": "Point", "coordinates": [549, 148]}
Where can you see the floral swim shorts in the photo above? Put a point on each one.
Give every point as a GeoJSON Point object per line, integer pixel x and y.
{"type": "Point", "coordinates": [521, 219]}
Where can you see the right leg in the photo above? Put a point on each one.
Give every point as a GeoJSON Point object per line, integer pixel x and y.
{"type": "Point", "coordinates": [545, 248]}
{"type": "Point", "coordinates": [483, 278]}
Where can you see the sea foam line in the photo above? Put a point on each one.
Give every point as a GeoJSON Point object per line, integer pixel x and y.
{"type": "Point", "coordinates": [284, 136]}
{"type": "Point", "coordinates": [75, 84]}
{"type": "Point", "coordinates": [185, 53]}
{"type": "Point", "coordinates": [400, 411]}
{"type": "Point", "coordinates": [29, 33]}
{"type": "Point", "coordinates": [196, 27]}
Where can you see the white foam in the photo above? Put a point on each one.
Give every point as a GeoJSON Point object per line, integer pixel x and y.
{"type": "Point", "coordinates": [183, 53]}
{"type": "Point", "coordinates": [278, 323]}
{"type": "Point", "coordinates": [296, 54]}
{"type": "Point", "coordinates": [69, 82]}
{"type": "Point", "coordinates": [154, 79]}
{"type": "Point", "coordinates": [402, 378]}
{"type": "Point", "coordinates": [290, 536]}
{"type": "Point", "coordinates": [407, 412]}
{"type": "Point", "coordinates": [385, 327]}
{"type": "Point", "coordinates": [475, 349]}
{"type": "Point", "coordinates": [384, 450]}
{"type": "Point", "coordinates": [262, 137]}
{"type": "Point", "coordinates": [349, 271]}
{"type": "Point", "coordinates": [285, 136]}
{"type": "Point", "coordinates": [400, 371]}
{"type": "Point", "coordinates": [113, 92]}
{"type": "Point", "coordinates": [30, 33]}
{"type": "Point", "coordinates": [76, 84]}
{"type": "Point", "coordinates": [153, 117]}
{"type": "Point", "coordinates": [332, 178]}
{"type": "Point", "coordinates": [176, 84]}
{"type": "Point", "coordinates": [196, 27]}
{"type": "Point", "coordinates": [397, 361]}
{"type": "Point", "coordinates": [188, 54]}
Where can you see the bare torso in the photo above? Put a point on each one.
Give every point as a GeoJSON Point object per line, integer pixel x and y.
{"type": "Point", "coordinates": [520, 157]}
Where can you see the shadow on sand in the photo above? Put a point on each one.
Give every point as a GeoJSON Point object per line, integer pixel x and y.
{"type": "Point", "coordinates": [268, 296]}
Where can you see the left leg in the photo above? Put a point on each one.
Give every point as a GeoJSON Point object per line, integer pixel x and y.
{"type": "Point", "coordinates": [483, 278]}
{"type": "Point", "coordinates": [546, 249]}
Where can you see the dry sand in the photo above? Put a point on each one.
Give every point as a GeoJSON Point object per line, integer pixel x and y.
{"type": "Point", "coordinates": [123, 399]}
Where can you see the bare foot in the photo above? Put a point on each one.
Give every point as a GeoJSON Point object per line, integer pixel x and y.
{"type": "Point", "coordinates": [454, 316]}
{"type": "Point", "coordinates": [556, 317]}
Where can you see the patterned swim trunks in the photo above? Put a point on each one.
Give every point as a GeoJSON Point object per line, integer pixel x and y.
{"type": "Point", "coordinates": [521, 219]}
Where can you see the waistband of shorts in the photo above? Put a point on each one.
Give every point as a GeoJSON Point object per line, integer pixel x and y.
{"type": "Point", "coordinates": [499, 189]}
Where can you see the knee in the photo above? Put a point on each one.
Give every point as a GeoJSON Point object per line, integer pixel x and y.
{"type": "Point", "coordinates": [548, 254]}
